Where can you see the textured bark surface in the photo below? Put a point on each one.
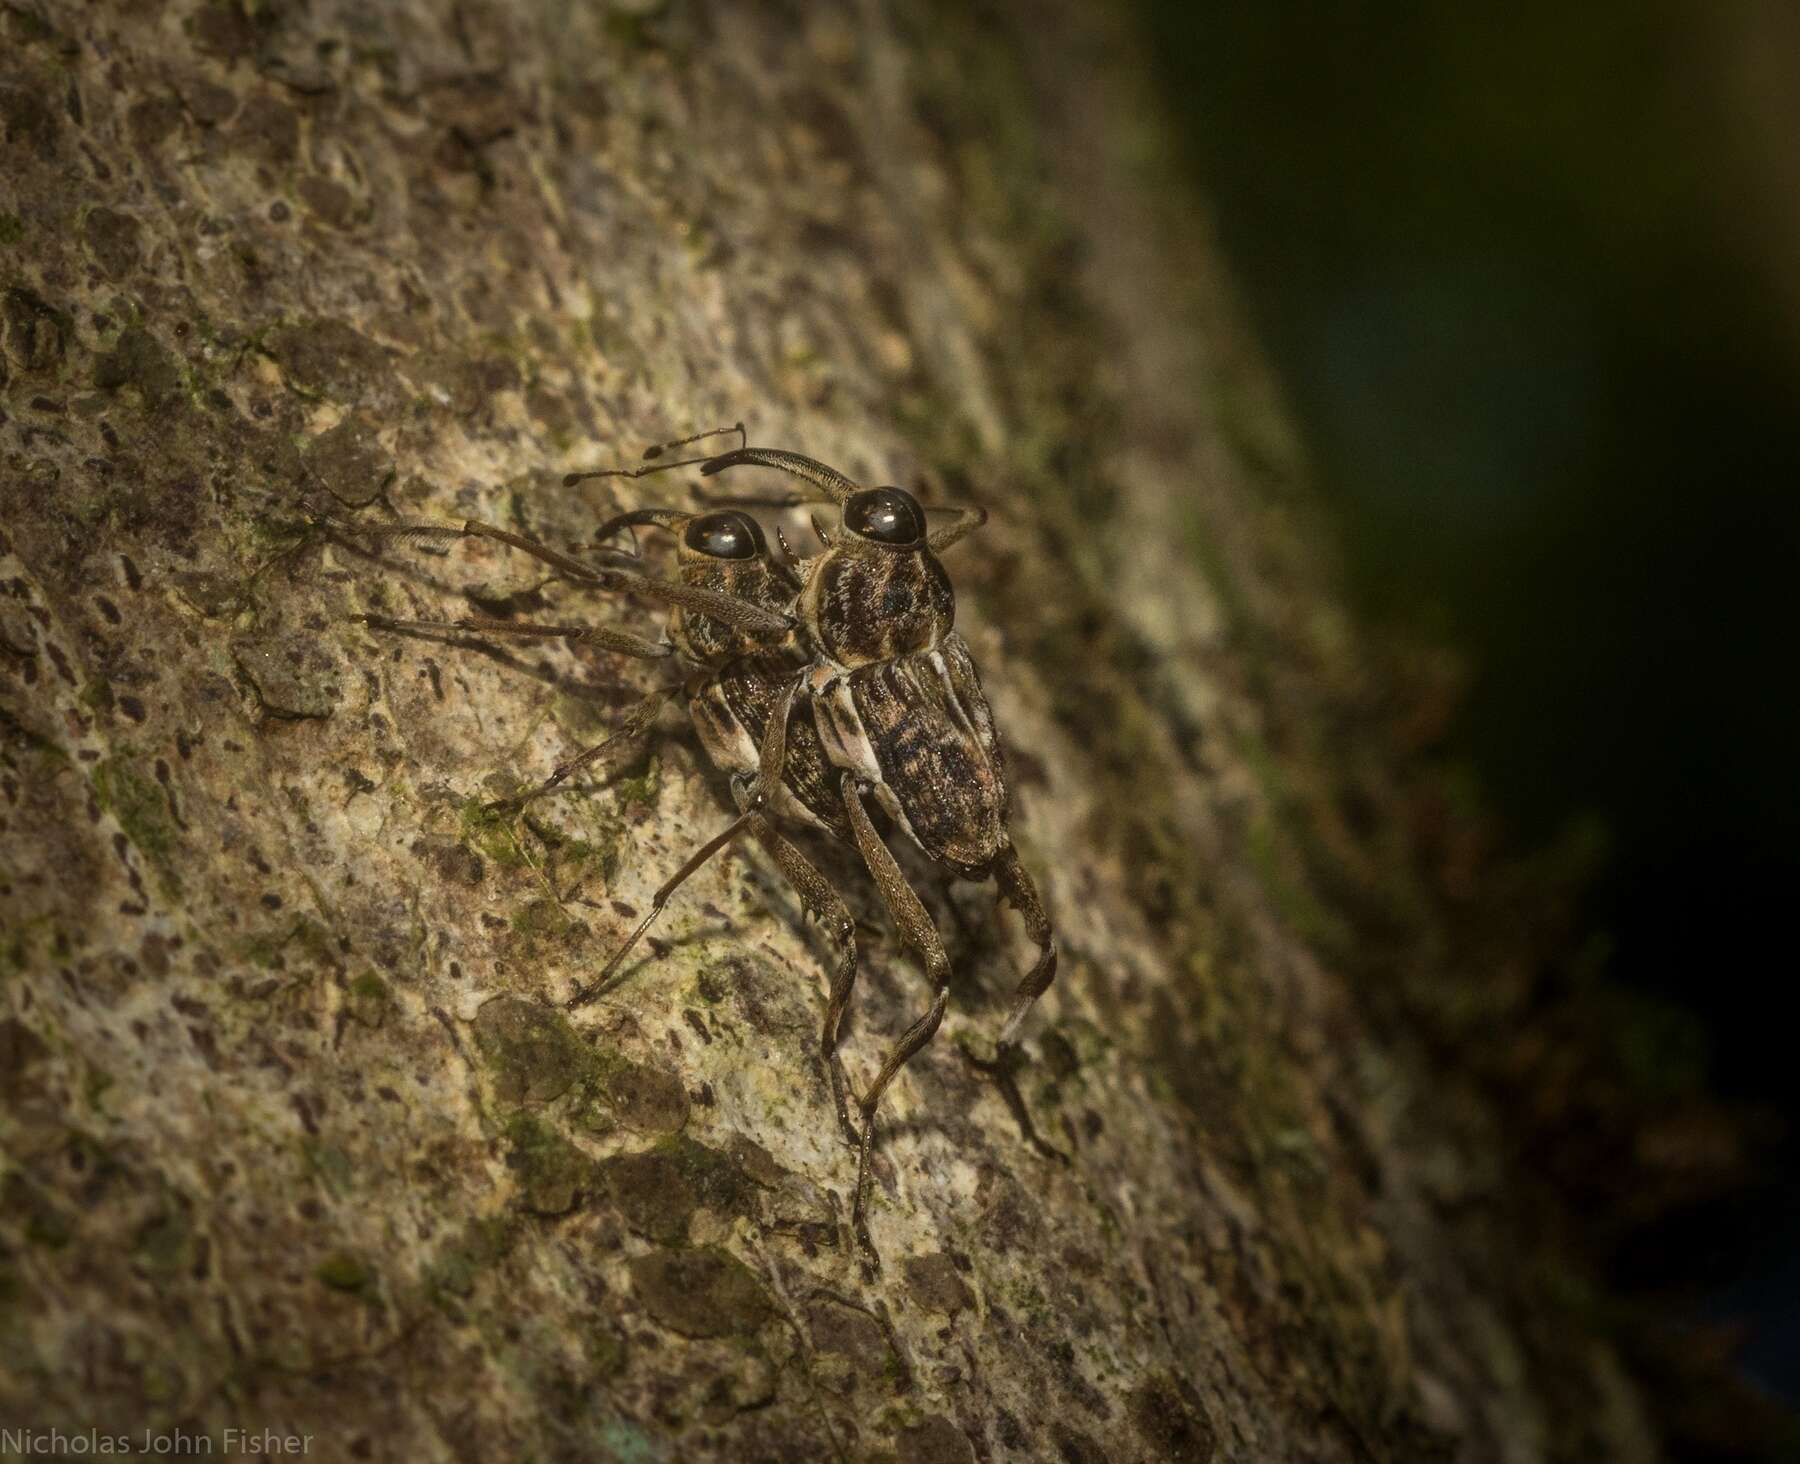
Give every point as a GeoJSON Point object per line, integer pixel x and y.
{"type": "Point", "coordinates": [296, 1135]}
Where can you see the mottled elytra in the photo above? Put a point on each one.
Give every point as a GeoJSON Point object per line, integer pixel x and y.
{"type": "Point", "coordinates": [816, 683]}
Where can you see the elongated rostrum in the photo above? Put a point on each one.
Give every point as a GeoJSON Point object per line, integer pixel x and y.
{"type": "Point", "coordinates": [816, 683]}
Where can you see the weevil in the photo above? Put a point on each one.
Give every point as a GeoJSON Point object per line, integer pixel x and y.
{"type": "Point", "coordinates": [816, 683]}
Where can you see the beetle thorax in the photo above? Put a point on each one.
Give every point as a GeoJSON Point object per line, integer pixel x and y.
{"type": "Point", "coordinates": [863, 604]}
{"type": "Point", "coordinates": [711, 642]}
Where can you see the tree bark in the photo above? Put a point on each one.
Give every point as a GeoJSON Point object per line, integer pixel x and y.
{"type": "Point", "coordinates": [297, 1136]}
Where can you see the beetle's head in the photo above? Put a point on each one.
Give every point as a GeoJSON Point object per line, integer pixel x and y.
{"type": "Point", "coordinates": [723, 550]}
{"type": "Point", "coordinates": [877, 592]}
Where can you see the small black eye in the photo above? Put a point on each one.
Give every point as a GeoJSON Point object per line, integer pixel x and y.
{"type": "Point", "coordinates": [724, 535]}
{"type": "Point", "coordinates": [886, 515]}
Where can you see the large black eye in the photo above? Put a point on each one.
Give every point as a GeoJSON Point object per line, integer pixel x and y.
{"type": "Point", "coordinates": [724, 535]}
{"type": "Point", "coordinates": [886, 515]}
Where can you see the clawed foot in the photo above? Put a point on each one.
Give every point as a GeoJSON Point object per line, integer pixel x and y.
{"type": "Point", "coordinates": [1003, 1069]}
{"type": "Point", "coordinates": [861, 1142]}
{"type": "Point", "coordinates": [584, 994]}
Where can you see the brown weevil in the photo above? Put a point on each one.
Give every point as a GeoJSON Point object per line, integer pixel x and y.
{"type": "Point", "coordinates": [815, 683]}
{"type": "Point", "coordinates": [900, 713]}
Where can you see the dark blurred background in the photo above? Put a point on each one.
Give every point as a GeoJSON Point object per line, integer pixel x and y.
{"type": "Point", "coordinates": [1530, 279]}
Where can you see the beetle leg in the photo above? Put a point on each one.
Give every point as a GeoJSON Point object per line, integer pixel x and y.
{"type": "Point", "coordinates": [771, 757]}
{"type": "Point", "coordinates": [416, 533]}
{"type": "Point", "coordinates": [827, 906]}
{"type": "Point", "coordinates": [742, 614]}
{"type": "Point", "coordinates": [637, 722]}
{"type": "Point", "coordinates": [621, 641]}
{"type": "Point", "coordinates": [1018, 891]}
{"type": "Point", "coordinates": [916, 929]}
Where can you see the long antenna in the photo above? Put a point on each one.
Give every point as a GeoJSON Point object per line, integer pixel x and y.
{"type": "Point", "coordinates": [651, 454]}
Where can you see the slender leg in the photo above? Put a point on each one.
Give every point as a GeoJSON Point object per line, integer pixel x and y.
{"type": "Point", "coordinates": [916, 929]}
{"type": "Point", "coordinates": [743, 614]}
{"type": "Point", "coordinates": [621, 641]}
{"type": "Point", "coordinates": [825, 905]}
{"type": "Point", "coordinates": [414, 533]}
{"type": "Point", "coordinates": [1018, 891]}
{"type": "Point", "coordinates": [634, 726]}
{"type": "Point", "coordinates": [772, 756]}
